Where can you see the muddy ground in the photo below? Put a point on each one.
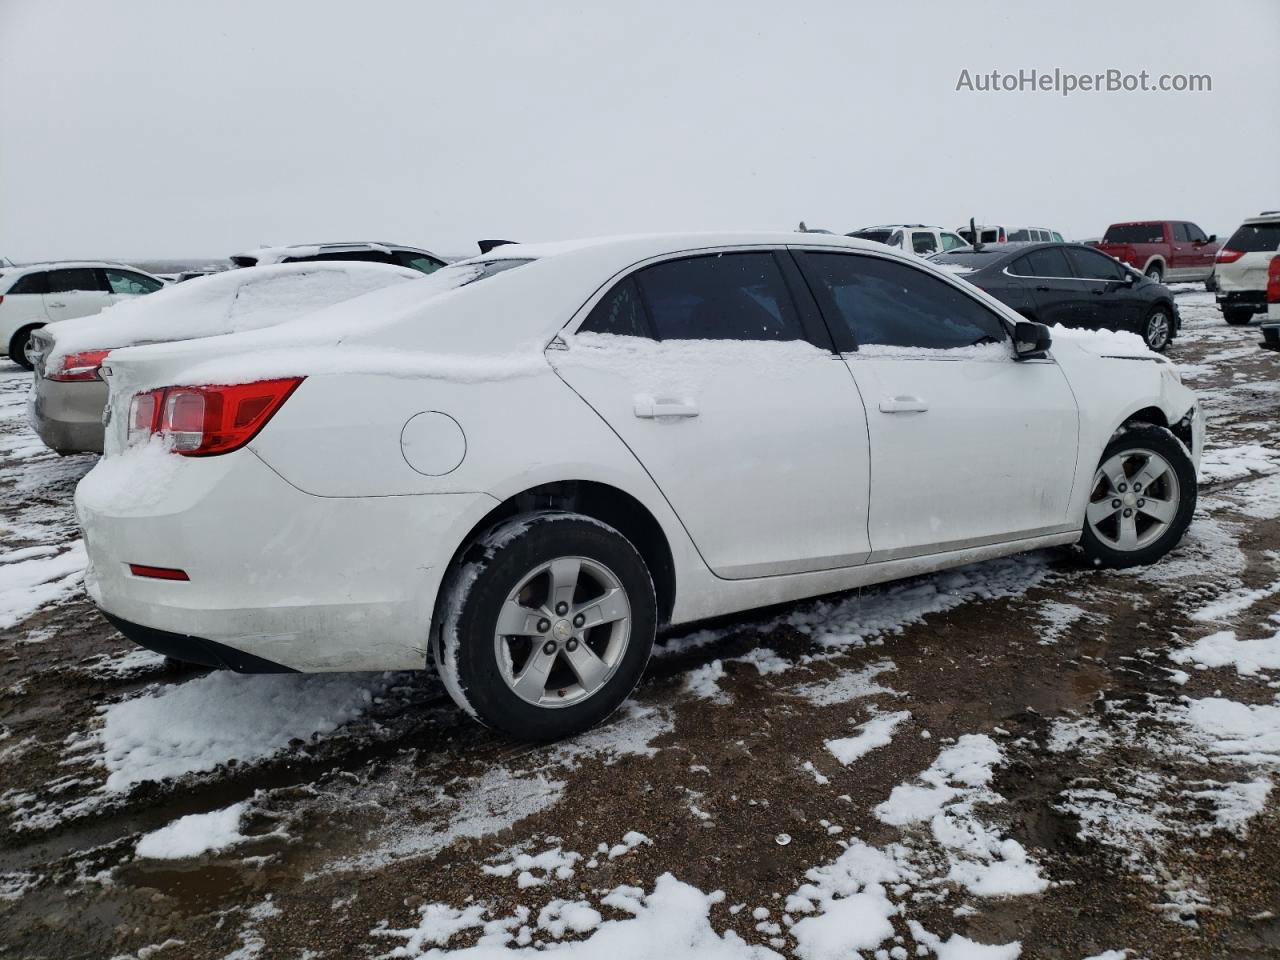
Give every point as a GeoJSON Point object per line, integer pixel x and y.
{"type": "Point", "coordinates": [719, 760]}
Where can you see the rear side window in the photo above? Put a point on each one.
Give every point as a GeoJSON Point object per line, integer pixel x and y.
{"type": "Point", "coordinates": [31, 283]}
{"type": "Point", "coordinates": [878, 236]}
{"type": "Point", "coordinates": [1091, 265]}
{"type": "Point", "coordinates": [1134, 233]}
{"type": "Point", "coordinates": [892, 304]}
{"type": "Point", "coordinates": [620, 313]}
{"type": "Point", "coordinates": [1180, 233]}
{"type": "Point", "coordinates": [1016, 236]}
{"type": "Point", "coordinates": [1046, 262]}
{"type": "Point", "coordinates": [361, 256]}
{"type": "Point", "coordinates": [1256, 238]}
{"type": "Point", "coordinates": [417, 261]}
{"type": "Point", "coordinates": [728, 296]}
{"type": "Point", "coordinates": [76, 280]}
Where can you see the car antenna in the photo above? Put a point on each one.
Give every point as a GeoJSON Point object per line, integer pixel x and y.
{"type": "Point", "coordinates": [977, 241]}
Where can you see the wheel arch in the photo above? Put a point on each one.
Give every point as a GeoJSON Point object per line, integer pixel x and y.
{"type": "Point", "coordinates": [1157, 259]}
{"type": "Point", "coordinates": [600, 501]}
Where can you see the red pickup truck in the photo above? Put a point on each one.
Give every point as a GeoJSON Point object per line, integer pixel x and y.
{"type": "Point", "coordinates": [1167, 251]}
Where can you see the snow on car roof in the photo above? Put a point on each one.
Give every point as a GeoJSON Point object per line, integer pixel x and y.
{"type": "Point", "coordinates": [15, 269]}
{"type": "Point", "coordinates": [449, 325]}
{"type": "Point", "coordinates": [223, 303]}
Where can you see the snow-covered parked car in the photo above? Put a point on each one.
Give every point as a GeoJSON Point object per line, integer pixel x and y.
{"type": "Point", "coordinates": [67, 400]}
{"type": "Point", "coordinates": [523, 464]}
{"type": "Point", "coordinates": [366, 251]}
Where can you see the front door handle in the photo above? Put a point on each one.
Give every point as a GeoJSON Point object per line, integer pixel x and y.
{"type": "Point", "coordinates": [57, 304]}
{"type": "Point", "coordinates": [903, 405]}
{"type": "Point", "coordinates": [647, 408]}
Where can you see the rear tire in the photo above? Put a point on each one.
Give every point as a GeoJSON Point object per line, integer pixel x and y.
{"type": "Point", "coordinates": [580, 605]}
{"type": "Point", "coordinates": [1157, 329]}
{"type": "Point", "coordinates": [18, 346]}
{"type": "Point", "coordinates": [1142, 498]}
{"type": "Point", "coordinates": [1237, 316]}
{"type": "Point", "coordinates": [1155, 273]}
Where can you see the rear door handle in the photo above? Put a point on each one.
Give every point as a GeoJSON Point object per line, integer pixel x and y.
{"type": "Point", "coordinates": [903, 405]}
{"type": "Point", "coordinates": [648, 408]}
{"type": "Point", "coordinates": [57, 304]}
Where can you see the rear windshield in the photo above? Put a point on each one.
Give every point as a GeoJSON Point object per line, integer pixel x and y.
{"type": "Point", "coordinates": [1134, 233]}
{"type": "Point", "coordinates": [973, 259]}
{"type": "Point", "coordinates": [879, 236]}
{"type": "Point", "coordinates": [1255, 238]}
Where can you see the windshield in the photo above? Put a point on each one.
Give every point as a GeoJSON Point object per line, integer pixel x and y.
{"type": "Point", "coordinates": [878, 236]}
{"type": "Point", "coordinates": [1255, 238]}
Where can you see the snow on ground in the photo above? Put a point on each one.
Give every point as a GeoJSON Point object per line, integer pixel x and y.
{"type": "Point", "coordinates": [35, 577]}
{"type": "Point", "coordinates": [194, 835]}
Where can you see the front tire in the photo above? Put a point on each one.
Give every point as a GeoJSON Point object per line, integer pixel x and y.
{"type": "Point", "coordinates": [1142, 499]}
{"type": "Point", "coordinates": [548, 628]}
{"type": "Point", "coordinates": [1157, 329]}
{"type": "Point", "coordinates": [1237, 316]}
{"type": "Point", "coordinates": [18, 346]}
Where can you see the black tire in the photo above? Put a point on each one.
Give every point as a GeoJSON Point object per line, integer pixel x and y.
{"type": "Point", "coordinates": [464, 645]}
{"type": "Point", "coordinates": [1145, 436]}
{"type": "Point", "coordinates": [1237, 316]}
{"type": "Point", "coordinates": [18, 345]}
{"type": "Point", "coordinates": [1150, 333]}
{"type": "Point", "coordinates": [1155, 273]}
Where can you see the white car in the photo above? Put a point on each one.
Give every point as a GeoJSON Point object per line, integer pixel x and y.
{"type": "Point", "coordinates": [40, 293]}
{"type": "Point", "coordinates": [914, 238]}
{"type": "Point", "coordinates": [1241, 267]}
{"type": "Point", "coordinates": [523, 464]}
{"type": "Point", "coordinates": [996, 233]}
{"type": "Point", "coordinates": [397, 254]}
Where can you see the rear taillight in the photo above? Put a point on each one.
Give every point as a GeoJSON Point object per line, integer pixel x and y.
{"type": "Point", "coordinates": [205, 421]}
{"type": "Point", "coordinates": [1229, 256]}
{"type": "Point", "coordinates": [79, 366]}
{"type": "Point", "coordinates": [1273, 280]}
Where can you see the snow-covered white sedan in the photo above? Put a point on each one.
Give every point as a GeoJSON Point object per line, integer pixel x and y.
{"type": "Point", "coordinates": [523, 464]}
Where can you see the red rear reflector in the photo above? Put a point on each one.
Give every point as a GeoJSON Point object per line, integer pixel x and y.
{"type": "Point", "coordinates": [1273, 280]}
{"type": "Point", "coordinates": [79, 366]}
{"type": "Point", "coordinates": [1229, 256]}
{"type": "Point", "coordinates": [157, 573]}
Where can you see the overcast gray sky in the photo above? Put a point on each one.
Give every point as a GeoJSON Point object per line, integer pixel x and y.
{"type": "Point", "coordinates": [170, 129]}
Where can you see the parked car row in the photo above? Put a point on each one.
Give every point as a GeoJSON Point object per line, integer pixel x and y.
{"type": "Point", "coordinates": [345, 491]}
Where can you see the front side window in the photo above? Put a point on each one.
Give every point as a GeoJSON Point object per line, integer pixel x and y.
{"type": "Point", "coordinates": [1195, 234]}
{"type": "Point", "coordinates": [620, 312]}
{"type": "Point", "coordinates": [728, 296]}
{"type": "Point", "coordinates": [924, 243]}
{"type": "Point", "coordinates": [1091, 265]}
{"type": "Point", "coordinates": [950, 241]}
{"type": "Point", "coordinates": [130, 284]}
{"type": "Point", "coordinates": [75, 280]}
{"type": "Point", "coordinates": [892, 304]}
{"type": "Point", "coordinates": [417, 261]}
{"type": "Point", "coordinates": [1055, 236]}
{"type": "Point", "coordinates": [31, 283]}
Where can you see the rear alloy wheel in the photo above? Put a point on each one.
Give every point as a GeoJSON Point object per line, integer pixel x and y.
{"type": "Point", "coordinates": [554, 629]}
{"type": "Point", "coordinates": [18, 347]}
{"type": "Point", "coordinates": [1154, 273]}
{"type": "Point", "coordinates": [1158, 330]}
{"type": "Point", "coordinates": [1142, 498]}
{"type": "Point", "coordinates": [1237, 316]}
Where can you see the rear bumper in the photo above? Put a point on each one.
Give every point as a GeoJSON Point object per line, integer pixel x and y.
{"type": "Point", "coordinates": [195, 650]}
{"type": "Point", "coordinates": [276, 576]}
{"type": "Point", "coordinates": [68, 416]}
{"type": "Point", "coordinates": [1256, 300]}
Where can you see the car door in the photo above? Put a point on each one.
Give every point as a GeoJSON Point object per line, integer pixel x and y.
{"type": "Point", "coordinates": [968, 445]}
{"type": "Point", "coordinates": [1200, 259]}
{"type": "Point", "coordinates": [75, 292]}
{"type": "Point", "coordinates": [1111, 303]}
{"type": "Point", "coordinates": [719, 383]}
{"type": "Point", "coordinates": [1182, 259]}
{"type": "Point", "coordinates": [1059, 295]}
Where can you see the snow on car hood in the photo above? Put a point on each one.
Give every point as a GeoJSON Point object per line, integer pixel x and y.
{"type": "Point", "coordinates": [223, 303]}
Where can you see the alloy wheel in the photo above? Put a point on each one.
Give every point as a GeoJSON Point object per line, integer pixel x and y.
{"type": "Point", "coordinates": [1135, 499]}
{"type": "Point", "coordinates": [562, 632]}
{"type": "Point", "coordinates": [1158, 330]}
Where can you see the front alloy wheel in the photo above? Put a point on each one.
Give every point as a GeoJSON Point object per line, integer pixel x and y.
{"type": "Point", "coordinates": [1142, 498]}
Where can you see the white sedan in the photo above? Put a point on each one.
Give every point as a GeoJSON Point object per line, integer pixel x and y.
{"type": "Point", "coordinates": [522, 465]}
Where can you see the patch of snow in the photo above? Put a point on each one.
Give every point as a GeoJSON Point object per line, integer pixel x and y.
{"type": "Point", "coordinates": [29, 581]}
{"type": "Point", "coordinates": [194, 835]}
{"type": "Point", "coordinates": [1224, 650]}
{"type": "Point", "coordinates": [874, 733]}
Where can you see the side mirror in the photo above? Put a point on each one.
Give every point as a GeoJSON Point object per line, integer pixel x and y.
{"type": "Point", "coordinates": [1030, 340]}
{"type": "Point", "coordinates": [1213, 237]}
